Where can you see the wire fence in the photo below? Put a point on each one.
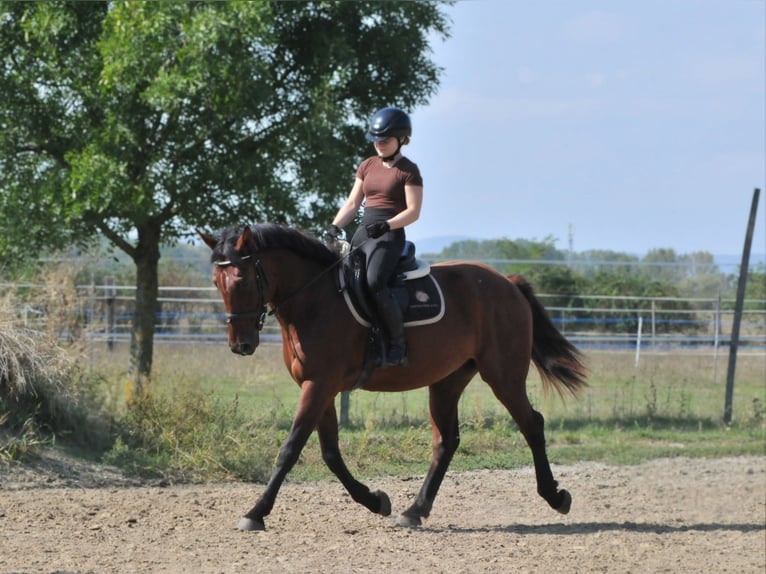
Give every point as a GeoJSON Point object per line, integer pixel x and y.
{"type": "Point", "coordinates": [195, 315]}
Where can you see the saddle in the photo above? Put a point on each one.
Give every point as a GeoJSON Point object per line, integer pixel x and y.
{"type": "Point", "coordinates": [414, 288]}
{"type": "Point", "coordinates": [416, 291]}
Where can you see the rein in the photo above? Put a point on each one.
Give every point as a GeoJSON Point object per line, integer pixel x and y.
{"type": "Point", "coordinates": [263, 282]}
{"type": "Point", "coordinates": [315, 278]}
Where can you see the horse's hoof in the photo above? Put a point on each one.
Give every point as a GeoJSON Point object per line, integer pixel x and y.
{"type": "Point", "coordinates": [566, 502]}
{"type": "Point", "coordinates": [408, 521]}
{"type": "Point", "coordinates": [250, 525]}
{"type": "Point", "coordinates": [385, 503]}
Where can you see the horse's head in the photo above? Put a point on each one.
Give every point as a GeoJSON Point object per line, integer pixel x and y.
{"type": "Point", "coordinates": [241, 280]}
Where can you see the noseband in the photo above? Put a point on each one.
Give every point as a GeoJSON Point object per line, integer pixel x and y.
{"type": "Point", "coordinates": [261, 283]}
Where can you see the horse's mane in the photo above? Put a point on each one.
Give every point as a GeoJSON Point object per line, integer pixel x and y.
{"type": "Point", "coordinates": [268, 236]}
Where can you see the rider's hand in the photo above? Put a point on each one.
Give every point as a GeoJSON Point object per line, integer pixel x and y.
{"type": "Point", "coordinates": [331, 233]}
{"type": "Point", "coordinates": [375, 230]}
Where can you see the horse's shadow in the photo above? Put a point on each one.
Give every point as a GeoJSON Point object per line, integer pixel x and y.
{"type": "Point", "coordinates": [580, 528]}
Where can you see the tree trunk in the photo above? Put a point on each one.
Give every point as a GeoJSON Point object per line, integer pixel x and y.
{"type": "Point", "coordinates": [146, 258]}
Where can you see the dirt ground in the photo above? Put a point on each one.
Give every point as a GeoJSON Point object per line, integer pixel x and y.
{"type": "Point", "coordinates": [668, 515]}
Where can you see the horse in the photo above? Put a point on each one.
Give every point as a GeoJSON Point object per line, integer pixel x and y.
{"type": "Point", "coordinates": [493, 325]}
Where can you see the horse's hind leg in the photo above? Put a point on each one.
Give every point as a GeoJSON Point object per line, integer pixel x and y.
{"type": "Point", "coordinates": [378, 501]}
{"type": "Point", "coordinates": [443, 399]}
{"type": "Point", "coordinates": [547, 487]}
{"type": "Point", "coordinates": [511, 391]}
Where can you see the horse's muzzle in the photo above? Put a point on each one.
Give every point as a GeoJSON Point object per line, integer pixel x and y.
{"type": "Point", "coordinates": [243, 345]}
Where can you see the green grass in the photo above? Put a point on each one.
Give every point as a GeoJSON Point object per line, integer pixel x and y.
{"type": "Point", "coordinates": [213, 414]}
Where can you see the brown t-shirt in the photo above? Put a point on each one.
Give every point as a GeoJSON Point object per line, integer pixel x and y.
{"type": "Point", "coordinates": [383, 187]}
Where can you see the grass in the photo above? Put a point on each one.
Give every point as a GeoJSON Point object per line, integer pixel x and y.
{"type": "Point", "coordinates": [217, 415]}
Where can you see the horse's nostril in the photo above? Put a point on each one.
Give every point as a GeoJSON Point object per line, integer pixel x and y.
{"type": "Point", "coordinates": [243, 348]}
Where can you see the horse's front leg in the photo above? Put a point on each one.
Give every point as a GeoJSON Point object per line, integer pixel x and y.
{"type": "Point", "coordinates": [378, 501]}
{"type": "Point", "coordinates": [313, 402]}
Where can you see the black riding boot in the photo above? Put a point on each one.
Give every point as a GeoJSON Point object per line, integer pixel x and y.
{"type": "Point", "coordinates": [391, 317]}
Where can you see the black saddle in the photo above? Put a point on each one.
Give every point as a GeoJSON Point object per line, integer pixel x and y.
{"type": "Point", "coordinates": [414, 288]}
{"type": "Point", "coordinates": [416, 291]}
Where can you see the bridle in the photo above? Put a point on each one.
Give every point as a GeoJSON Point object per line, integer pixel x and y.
{"type": "Point", "coordinates": [261, 283]}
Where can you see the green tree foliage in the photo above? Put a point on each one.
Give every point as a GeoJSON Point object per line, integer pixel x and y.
{"type": "Point", "coordinates": [595, 260]}
{"type": "Point", "coordinates": [503, 249]}
{"type": "Point", "coordinates": [756, 284]}
{"type": "Point", "coordinates": [563, 285]}
{"type": "Point", "coordinates": [565, 277]}
{"type": "Point", "coordinates": [614, 283]}
{"type": "Point", "coordinates": [137, 121]}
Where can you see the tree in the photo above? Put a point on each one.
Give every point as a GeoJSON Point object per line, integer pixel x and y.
{"type": "Point", "coordinates": [138, 121]}
{"type": "Point", "coordinates": [504, 249]}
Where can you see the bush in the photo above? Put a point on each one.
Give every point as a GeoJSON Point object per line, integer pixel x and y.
{"type": "Point", "coordinates": [191, 436]}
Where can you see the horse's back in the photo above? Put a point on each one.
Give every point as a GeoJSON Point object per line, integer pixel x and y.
{"type": "Point", "coordinates": [478, 289]}
{"type": "Point", "coordinates": [463, 277]}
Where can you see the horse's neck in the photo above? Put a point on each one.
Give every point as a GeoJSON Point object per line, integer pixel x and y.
{"type": "Point", "coordinates": [296, 284]}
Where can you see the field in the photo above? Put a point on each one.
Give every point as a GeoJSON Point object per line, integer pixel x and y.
{"type": "Point", "coordinates": [659, 483]}
{"type": "Point", "coordinates": [670, 405]}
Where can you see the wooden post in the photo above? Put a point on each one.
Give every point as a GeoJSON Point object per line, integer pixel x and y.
{"type": "Point", "coordinates": [344, 406]}
{"type": "Point", "coordinates": [638, 339]}
{"type": "Point", "coordinates": [110, 293]}
{"type": "Point", "coordinates": [716, 335]}
{"type": "Point", "coordinates": [741, 284]}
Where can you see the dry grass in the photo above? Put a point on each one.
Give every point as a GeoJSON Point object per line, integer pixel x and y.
{"type": "Point", "coordinates": [33, 368]}
{"type": "Point", "coordinates": [44, 391]}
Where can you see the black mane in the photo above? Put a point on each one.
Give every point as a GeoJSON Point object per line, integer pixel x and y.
{"type": "Point", "coordinates": [268, 236]}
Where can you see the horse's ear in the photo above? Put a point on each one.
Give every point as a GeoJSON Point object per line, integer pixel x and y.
{"type": "Point", "coordinates": [207, 238]}
{"type": "Point", "coordinates": [245, 242]}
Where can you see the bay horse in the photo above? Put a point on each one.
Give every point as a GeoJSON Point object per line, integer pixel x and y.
{"type": "Point", "coordinates": [493, 325]}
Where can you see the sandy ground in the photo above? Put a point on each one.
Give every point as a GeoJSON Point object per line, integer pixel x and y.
{"type": "Point", "coordinates": [668, 515]}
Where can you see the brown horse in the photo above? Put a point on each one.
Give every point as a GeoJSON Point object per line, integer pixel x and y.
{"type": "Point", "coordinates": [493, 325]}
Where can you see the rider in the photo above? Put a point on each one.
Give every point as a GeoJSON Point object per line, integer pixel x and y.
{"type": "Point", "coordinates": [391, 188]}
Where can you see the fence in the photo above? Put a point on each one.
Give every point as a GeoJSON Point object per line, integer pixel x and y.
{"type": "Point", "coordinates": [103, 314]}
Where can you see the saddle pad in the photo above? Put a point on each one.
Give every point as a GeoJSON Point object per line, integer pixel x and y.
{"type": "Point", "coordinates": [421, 298]}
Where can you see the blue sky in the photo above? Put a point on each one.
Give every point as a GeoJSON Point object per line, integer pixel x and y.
{"type": "Point", "coordinates": [637, 124]}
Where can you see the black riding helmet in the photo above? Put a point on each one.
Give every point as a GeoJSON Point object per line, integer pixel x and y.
{"type": "Point", "coordinates": [389, 122]}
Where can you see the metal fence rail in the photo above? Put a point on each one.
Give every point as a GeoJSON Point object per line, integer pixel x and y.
{"type": "Point", "coordinates": [103, 313]}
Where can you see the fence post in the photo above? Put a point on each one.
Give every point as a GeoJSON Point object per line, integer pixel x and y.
{"type": "Point", "coordinates": [344, 407]}
{"type": "Point", "coordinates": [638, 339]}
{"type": "Point", "coordinates": [716, 334]}
{"type": "Point", "coordinates": [110, 293]}
{"type": "Point", "coordinates": [741, 283]}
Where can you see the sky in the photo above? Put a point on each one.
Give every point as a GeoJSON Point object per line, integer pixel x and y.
{"type": "Point", "coordinates": [624, 125]}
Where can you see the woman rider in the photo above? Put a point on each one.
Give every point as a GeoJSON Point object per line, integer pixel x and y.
{"type": "Point", "coordinates": [391, 188]}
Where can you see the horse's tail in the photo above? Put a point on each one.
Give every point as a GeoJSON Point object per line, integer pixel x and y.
{"type": "Point", "coordinates": [558, 361]}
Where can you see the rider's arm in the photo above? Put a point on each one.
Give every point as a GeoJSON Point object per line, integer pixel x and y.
{"type": "Point", "coordinates": [413, 194]}
{"type": "Point", "coordinates": [350, 208]}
